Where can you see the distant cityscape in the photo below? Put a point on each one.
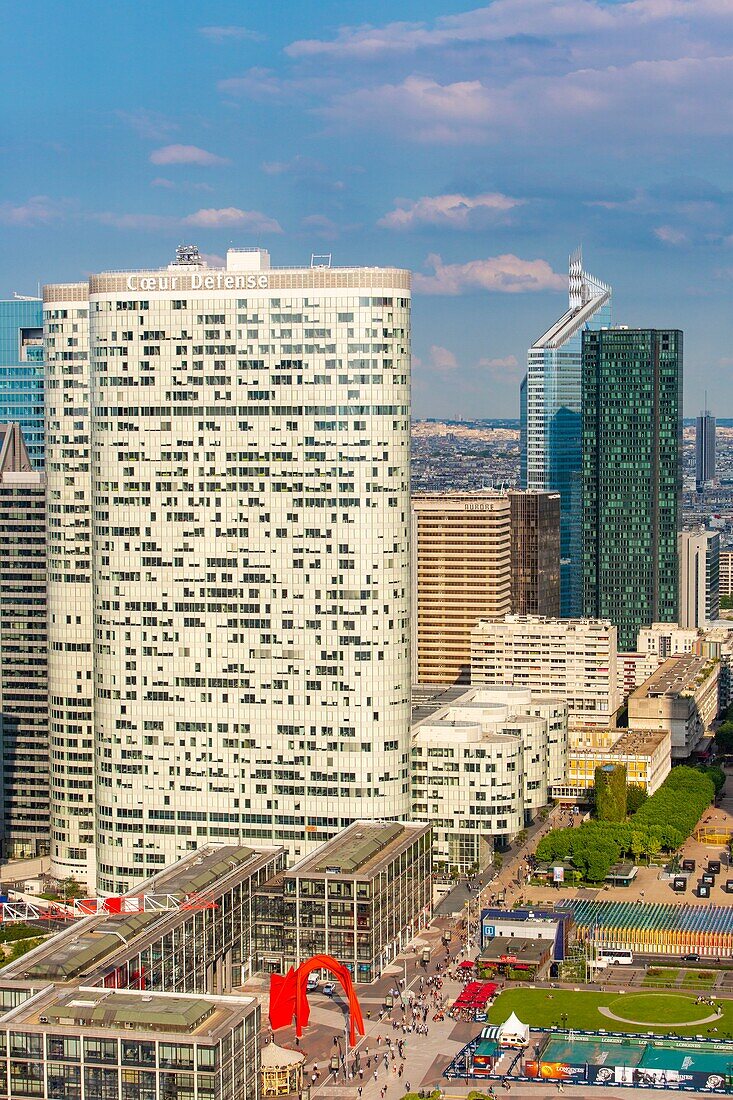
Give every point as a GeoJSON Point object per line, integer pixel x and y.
{"type": "Point", "coordinates": [461, 455]}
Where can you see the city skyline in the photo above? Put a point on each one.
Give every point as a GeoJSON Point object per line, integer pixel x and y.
{"type": "Point", "coordinates": [306, 130]}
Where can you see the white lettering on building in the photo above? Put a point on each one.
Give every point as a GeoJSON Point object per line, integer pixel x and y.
{"type": "Point", "coordinates": [217, 281]}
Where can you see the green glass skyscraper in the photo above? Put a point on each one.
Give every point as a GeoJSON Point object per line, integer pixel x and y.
{"type": "Point", "coordinates": [632, 444]}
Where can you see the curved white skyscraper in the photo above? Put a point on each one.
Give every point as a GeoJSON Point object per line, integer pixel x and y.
{"type": "Point", "coordinates": [249, 431]}
{"type": "Point", "coordinates": [550, 413]}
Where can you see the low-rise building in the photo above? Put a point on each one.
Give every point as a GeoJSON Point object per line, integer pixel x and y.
{"type": "Point", "coordinates": [205, 944]}
{"type": "Point", "coordinates": [361, 897]}
{"type": "Point", "coordinates": [681, 697]}
{"type": "Point", "coordinates": [646, 755]}
{"type": "Point", "coordinates": [482, 766]}
{"type": "Point", "coordinates": [573, 659]}
{"type": "Point", "coordinates": [654, 645]}
{"type": "Point", "coordinates": [104, 1044]}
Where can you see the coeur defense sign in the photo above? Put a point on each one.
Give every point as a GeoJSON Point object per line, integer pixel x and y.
{"type": "Point", "coordinates": [218, 280]}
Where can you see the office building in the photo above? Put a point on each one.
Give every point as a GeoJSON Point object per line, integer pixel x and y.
{"type": "Point", "coordinates": [24, 790]}
{"type": "Point", "coordinates": [632, 434]}
{"type": "Point", "coordinates": [245, 457]}
{"type": "Point", "coordinates": [69, 564]}
{"type": "Point", "coordinates": [704, 449]}
{"type": "Point", "coordinates": [21, 371]}
{"type": "Point", "coordinates": [105, 1044]}
{"type": "Point", "coordinates": [681, 696]}
{"type": "Point", "coordinates": [699, 557]}
{"type": "Point", "coordinates": [645, 753]}
{"type": "Point", "coordinates": [535, 523]}
{"type": "Point", "coordinates": [190, 929]}
{"type": "Point", "coordinates": [462, 562]}
{"type": "Point", "coordinates": [572, 659]}
{"type": "Point", "coordinates": [550, 407]}
{"type": "Point", "coordinates": [362, 897]}
{"type": "Point", "coordinates": [482, 766]}
{"type": "Point", "coordinates": [725, 573]}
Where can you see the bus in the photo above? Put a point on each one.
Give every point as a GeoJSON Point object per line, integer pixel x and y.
{"type": "Point", "coordinates": [616, 956]}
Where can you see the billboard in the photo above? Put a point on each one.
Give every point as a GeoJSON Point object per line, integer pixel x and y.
{"type": "Point", "coordinates": [556, 1071]}
{"type": "Point", "coordinates": [558, 874]}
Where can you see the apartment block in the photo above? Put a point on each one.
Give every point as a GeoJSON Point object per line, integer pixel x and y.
{"type": "Point", "coordinates": [573, 659]}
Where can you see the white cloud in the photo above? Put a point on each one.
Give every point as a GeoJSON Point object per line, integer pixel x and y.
{"type": "Point", "coordinates": [227, 216]}
{"type": "Point", "coordinates": [321, 225]}
{"type": "Point", "coordinates": [507, 19]}
{"type": "Point", "coordinates": [161, 181]}
{"type": "Point", "coordinates": [507, 274]}
{"type": "Point", "coordinates": [135, 221]}
{"type": "Point", "coordinates": [185, 154]}
{"type": "Point", "coordinates": [37, 210]}
{"type": "Point", "coordinates": [213, 259]}
{"type": "Point", "coordinates": [454, 211]}
{"type": "Point", "coordinates": [508, 363]}
{"type": "Point", "coordinates": [151, 125]}
{"type": "Point", "coordinates": [669, 235]}
{"type": "Point", "coordinates": [228, 34]}
{"type": "Point", "coordinates": [441, 359]}
{"type": "Point", "coordinates": [420, 108]}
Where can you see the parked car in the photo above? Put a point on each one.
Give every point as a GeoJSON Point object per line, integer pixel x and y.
{"type": "Point", "coordinates": [329, 989]}
{"type": "Point", "coordinates": [311, 985]}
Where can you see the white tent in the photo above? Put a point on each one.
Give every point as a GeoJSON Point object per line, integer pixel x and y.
{"type": "Point", "coordinates": [513, 1033]}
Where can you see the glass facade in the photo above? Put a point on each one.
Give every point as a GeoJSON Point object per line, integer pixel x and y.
{"type": "Point", "coordinates": [632, 441]}
{"type": "Point", "coordinates": [24, 755]}
{"type": "Point", "coordinates": [550, 401]}
{"type": "Point", "coordinates": [22, 371]}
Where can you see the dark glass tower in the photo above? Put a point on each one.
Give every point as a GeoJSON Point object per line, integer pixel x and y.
{"type": "Point", "coordinates": [632, 443]}
{"type": "Point", "coordinates": [704, 449]}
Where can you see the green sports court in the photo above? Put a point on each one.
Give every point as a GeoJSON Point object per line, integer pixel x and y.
{"type": "Point", "coordinates": [633, 1060]}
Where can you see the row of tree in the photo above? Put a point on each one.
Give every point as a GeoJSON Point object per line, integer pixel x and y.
{"type": "Point", "coordinates": [662, 823]}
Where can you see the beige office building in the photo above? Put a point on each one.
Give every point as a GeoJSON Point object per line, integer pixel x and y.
{"type": "Point", "coordinates": [645, 753]}
{"type": "Point", "coordinates": [682, 696]}
{"type": "Point", "coordinates": [574, 659]}
{"type": "Point", "coordinates": [726, 573]}
{"type": "Point", "coordinates": [461, 547]}
{"type": "Point", "coordinates": [228, 470]}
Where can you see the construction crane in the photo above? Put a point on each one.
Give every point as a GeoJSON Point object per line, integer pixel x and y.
{"type": "Point", "coordinates": [12, 912]}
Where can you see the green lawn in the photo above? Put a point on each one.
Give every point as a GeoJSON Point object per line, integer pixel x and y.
{"type": "Point", "coordinates": [545, 1008]}
{"type": "Point", "coordinates": [653, 1008]}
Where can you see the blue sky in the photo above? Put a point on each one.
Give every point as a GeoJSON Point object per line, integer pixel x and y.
{"type": "Point", "coordinates": [475, 145]}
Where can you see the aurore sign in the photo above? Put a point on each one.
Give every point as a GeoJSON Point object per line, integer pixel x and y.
{"type": "Point", "coordinates": [219, 280]}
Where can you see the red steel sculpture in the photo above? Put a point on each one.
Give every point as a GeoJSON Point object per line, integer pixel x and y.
{"type": "Point", "coordinates": [288, 996]}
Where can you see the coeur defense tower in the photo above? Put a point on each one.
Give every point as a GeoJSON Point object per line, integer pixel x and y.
{"type": "Point", "coordinates": [228, 476]}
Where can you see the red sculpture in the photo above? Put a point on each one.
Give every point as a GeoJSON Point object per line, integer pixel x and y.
{"type": "Point", "coordinates": [288, 996]}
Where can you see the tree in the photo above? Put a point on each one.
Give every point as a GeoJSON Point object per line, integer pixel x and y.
{"type": "Point", "coordinates": [610, 788]}
{"type": "Point", "coordinates": [637, 846]}
{"type": "Point", "coordinates": [636, 796]}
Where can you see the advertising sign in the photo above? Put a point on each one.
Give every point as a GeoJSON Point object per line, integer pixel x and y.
{"type": "Point", "coordinates": [558, 874]}
{"type": "Point", "coordinates": [555, 1071]}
